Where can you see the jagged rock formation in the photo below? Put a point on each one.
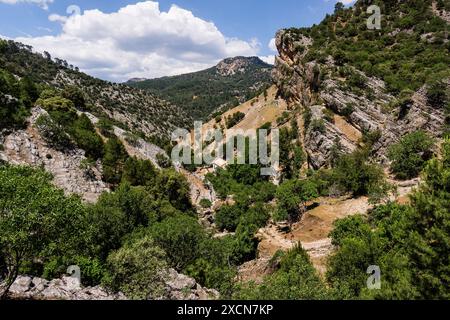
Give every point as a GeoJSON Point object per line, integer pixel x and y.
{"type": "Point", "coordinates": [317, 86]}
{"type": "Point", "coordinates": [231, 66]}
{"type": "Point", "coordinates": [27, 147]}
{"type": "Point", "coordinates": [178, 287]}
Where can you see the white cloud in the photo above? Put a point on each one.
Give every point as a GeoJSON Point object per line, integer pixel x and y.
{"type": "Point", "coordinates": [272, 46]}
{"type": "Point", "coordinates": [140, 41]}
{"type": "Point", "coordinates": [42, 3]}
{"type": "Point", "coordinates": [270, 59]}
{"type": "Point", "coordinates": [346, 2]}
{"type": "Point", "coordinates": [57, 18]}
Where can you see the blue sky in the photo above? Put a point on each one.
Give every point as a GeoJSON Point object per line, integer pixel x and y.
{"type": "Point", "coordinates": [151, 39]}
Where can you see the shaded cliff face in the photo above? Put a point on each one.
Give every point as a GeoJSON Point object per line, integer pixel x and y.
{"type": "Point", "coordinates": [318, 72]}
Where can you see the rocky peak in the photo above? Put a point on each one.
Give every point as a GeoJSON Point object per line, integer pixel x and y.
{"type": "Point", "coordinates": [231, 66]}
{"type": "Point", "coordinates": [134, 80]}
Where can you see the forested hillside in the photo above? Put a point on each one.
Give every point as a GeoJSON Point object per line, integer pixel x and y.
{"type": "Point", "coordinates": [133, 109]}
{"type": "Point", "coordinates": [231, 82]}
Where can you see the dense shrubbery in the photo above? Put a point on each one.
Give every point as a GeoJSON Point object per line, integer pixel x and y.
{"type": "Point", "coordinates": [404, 60]}
{"type": "Point", "coordinates": [353, 173]}
{"type": "Point", "coordinates": [203, 93]}
{"type": "Point", "coordinates": [138, 269]}
{"type": "Point", "coordinates": [292, 196]}
{"type": "Point", "coordinates": [410, 154]}
{"type": "Point", "coordinates": [64, 127]}
{"type": "Point", "coordinates": [16, 98]}
{"type": "Point", "coordinates": [234, 119]}
{"type": "Point", "coordinates": [294, 279]}
{"type": "Point", "coordinates": [409, 243]}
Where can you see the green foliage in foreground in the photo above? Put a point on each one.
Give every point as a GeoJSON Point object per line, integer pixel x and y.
{"type": "Point", "coordinates": [138, 269]}
{"type": "Point", "coordinates": [35, 219]}
{"type": "Point", "coordinates": [410, 243]}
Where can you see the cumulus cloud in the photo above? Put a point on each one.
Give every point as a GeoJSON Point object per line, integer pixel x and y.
{"type": "Point", "coordinates": [139, 40]}
{"type": "Point", "coordinates": [270, 59]}
{"type": "Point", "coordinates": [272, 46]}
{"type": "Point", "coordinates": [42, 3]}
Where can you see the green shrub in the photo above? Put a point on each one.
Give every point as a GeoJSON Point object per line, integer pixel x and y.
{"type": "Point", "coordinates": [180, 237]}
{"type": "Point", "coordinates": [205, 203]}
{"type": "Point", "coordinates": [318, 125]}
{"type": "Point", "coordinates": [228, 217]}
{"type": "Point", "coordinates": [234, 119]}
{"type": "Point", "coordinates": [53, 133]}
{"type": "Point", "coordinates": [410, 154]}
{"type": "Point", "coordinates": [354, 174]}
{"type": "Point", "coordinates": [138, 270]}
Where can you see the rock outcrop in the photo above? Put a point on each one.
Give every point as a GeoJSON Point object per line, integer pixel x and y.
{"type": "Point", "coordinates": [317, 86]}
{"type": "Point", "coordinates": [27, 147]}
{"type": "Point", "coordinates": [178, 287]}
{"type": "Point", "coordinates": [66, 288]}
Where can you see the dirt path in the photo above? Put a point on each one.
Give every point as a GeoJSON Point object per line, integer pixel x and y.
{"type": "Point", "coordinates": [312, 231]}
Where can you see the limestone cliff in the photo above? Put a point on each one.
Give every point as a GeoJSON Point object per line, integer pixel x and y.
{"type": "Point", "coordinates": [318, 87]}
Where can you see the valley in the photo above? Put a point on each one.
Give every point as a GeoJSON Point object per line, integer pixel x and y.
{"type": "Point", "coordinates": [363, 117]}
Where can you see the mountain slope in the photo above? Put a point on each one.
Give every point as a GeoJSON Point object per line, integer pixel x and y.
{"type": "Point", "coordinates": [383, 83]}
{"type": "Point", "coordinates": [231, 82]}
{"type": "Point", "coordinates": [136, 110]}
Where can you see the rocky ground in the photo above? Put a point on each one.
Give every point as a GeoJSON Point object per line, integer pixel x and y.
{"type": "Point", "coordinates": [27, 147]}
{"type": "Point", "coordinates": [178, 287]}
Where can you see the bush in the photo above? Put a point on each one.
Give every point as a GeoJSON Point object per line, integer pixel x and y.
{"type": "Point", "coordinates": [234, 119]}
{"type": "Point", "coordinates": [75, 95]}
{"type": "Point", "coordinates": [138, 270]}
{"type": "Point", "coordinates": [163, 161]}
{"type": "Point", "coordinates": [34, 216]}
{"type": "Point", "coordinates": [205, 203]}
{"type": "Point", "coordinates": [83, 133]}
{"type": "Point", "coordinates": [180, 237]}
{"type": "Point", "coordinates": [437, 94]}
{"type": "Point", "coordinates": [106, 127]}
{"type": "Point", "coordinates": [318, 125]}
{"type": "Point", "coordinates": [53, 133]}
{"type": "Point", "coordinates": [410, 154]}
{"type": "Point", "coordinates": [60, 109]}
{"type": "Point", "coordinates": [291, 197]}
{"type": "Point", "coordinates": [354, 174]}
{"type": "Point", "coordinates": [296, 279]}
{"type": "Point", "coordinates": [228, 217]}
{"type": "Point", "coordinates": [114, 161]}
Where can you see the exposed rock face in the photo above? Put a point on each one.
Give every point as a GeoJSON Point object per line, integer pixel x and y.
{"type": "Point", "coordinates": [139, 148]}
{"type": "Point", "coordinates": [27, 147]}
{"type": "Point", "coordinates": [319, 144]}
{"type": "Point", "coordinates": [312, 85]}
{"type": "Point", "coordinates": [181, 287]}
{"type": "Point", "coordinates": [231, 66]}
{"type": "Point", "coordinates": [178, 287]}
{"type": "Point", "coordinates": [66, 288]}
